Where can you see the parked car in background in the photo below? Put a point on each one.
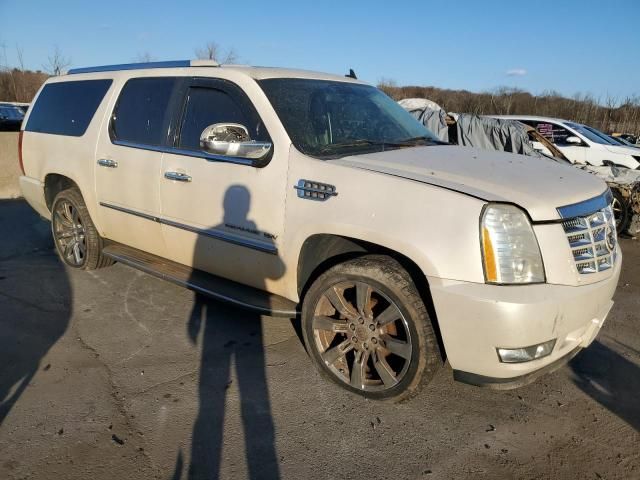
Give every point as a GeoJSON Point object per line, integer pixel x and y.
{"type": "Point", "coordinates": [622, 141]}
{"type": "Point", "coordinates": [633, 139]}
{"type": "Point", "coordinates": [11, 117]}
{"type": "Point", "coordinates": [24, 106]}
{"type": "Point", "coordinates": [581, 143]}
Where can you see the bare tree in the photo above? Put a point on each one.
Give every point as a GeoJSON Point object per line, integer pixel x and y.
{"type": "Point", "coordinates": [213, 51]}
{"type": "Point", "coordinates": [386, 82]}
{"type": "Point", "coordinates": [144, 57]}
{"type": "Point", "coordinates": [19, 82]}
{"type": "Point", "coordinates": [57, 63]}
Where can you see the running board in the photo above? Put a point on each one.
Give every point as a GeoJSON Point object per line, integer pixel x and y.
{"type": "Point", "coordinates": [203, 283]}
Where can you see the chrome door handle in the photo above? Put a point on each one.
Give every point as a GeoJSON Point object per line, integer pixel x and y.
{"type": "Point", "coordinates": [179, 176]}
{"type": "Point", "coordinates": [106, 162]}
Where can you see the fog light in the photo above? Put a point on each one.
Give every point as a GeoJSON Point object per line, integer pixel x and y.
{"type": "Point", "coordinates": [526, 354]}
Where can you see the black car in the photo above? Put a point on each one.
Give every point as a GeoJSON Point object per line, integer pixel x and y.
{"type": "Point", "coordinates": [627, 137]}
{"type": "Point", "coordinates": [10, 118]}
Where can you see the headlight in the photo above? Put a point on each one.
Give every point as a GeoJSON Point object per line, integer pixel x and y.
{"type": "Point", "coordinates": [510, 250]}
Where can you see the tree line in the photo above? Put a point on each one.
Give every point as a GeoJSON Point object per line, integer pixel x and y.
{"type": "Point", "coordinates": [18, 84]}
{"type": "Point", "coordinates": [610, 115]}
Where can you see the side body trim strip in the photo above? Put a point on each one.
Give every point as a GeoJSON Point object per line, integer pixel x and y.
{"type": "Point", "coordinates": [209, 232]}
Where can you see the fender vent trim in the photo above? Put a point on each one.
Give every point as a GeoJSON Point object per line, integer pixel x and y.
{"type": "Point", "coordinates": [312, 190]}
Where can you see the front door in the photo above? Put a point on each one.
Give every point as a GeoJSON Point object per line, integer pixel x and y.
{"type": "Point", "coordinates": [129, 160]}
{"type": "Point", "coordinates": [557, 134]}
{"type": "Point", "coordinates": [221, 215]}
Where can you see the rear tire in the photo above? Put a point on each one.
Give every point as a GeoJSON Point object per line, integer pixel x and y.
{"type": "Point", "coordinates": [367, 329]}
{"type": "Point", "coordinates": [75, 236]}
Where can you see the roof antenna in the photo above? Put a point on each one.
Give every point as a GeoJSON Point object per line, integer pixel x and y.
{"type": "Point", "coordinates": [351, 74]}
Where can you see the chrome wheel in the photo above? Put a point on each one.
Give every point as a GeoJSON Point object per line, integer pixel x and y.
{"type": "Point", "coordinates": [362, 336]}
{"type": "Point", "coordinates": [69, 233]}
{"type": "Point", "coordinates": [618, 211]}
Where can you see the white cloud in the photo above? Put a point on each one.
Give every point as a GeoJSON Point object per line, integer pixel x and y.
{"type": "Point", "coordinates": [516, 72]}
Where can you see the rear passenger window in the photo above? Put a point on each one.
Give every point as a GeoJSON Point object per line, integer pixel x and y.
{"type": "Point", "coordinates": [66, 108]}
{"type": "Point", "coordinates": [206, 106]}
{"type": "Point", "coordinates": [141, 114]}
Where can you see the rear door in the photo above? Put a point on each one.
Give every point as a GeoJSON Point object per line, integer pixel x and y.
{"type": "Point", "coordinates": [129, 161]}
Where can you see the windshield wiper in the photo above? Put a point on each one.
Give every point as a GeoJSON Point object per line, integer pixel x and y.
{"type": "Point", "coordinates": [363, 141]}
{"type": "Point", "coordinates": [424, 138]}
{"type": "Point", "coordinates": [358, 142]}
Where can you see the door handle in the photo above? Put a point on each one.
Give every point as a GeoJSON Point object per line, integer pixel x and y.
{"type": "Point", "coordinates": [179, 176]}
{"type": "Point", "coordinates": [106, 162]}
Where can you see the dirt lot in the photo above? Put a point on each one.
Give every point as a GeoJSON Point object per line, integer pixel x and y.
{"type": "Point", "coordinates": [115, 374]}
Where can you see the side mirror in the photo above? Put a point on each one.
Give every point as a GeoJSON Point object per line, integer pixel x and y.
{"type": "Point", "coordinates": [232, 140]}
{"type": "Point", "coordinates": [573, 140]}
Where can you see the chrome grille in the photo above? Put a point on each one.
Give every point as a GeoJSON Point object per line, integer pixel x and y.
{"type": "Point", "coordinates": [592, 239]}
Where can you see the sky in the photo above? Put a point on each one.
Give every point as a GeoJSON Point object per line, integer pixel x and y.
{"type": "Point", "coordinates": [570, 46]}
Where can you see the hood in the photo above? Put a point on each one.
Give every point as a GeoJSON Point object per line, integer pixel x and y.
{"type": "Point", "coordinates": [538, 185]}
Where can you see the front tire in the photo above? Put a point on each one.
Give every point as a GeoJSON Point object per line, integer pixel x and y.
{"type": "Point", "coordinates": [621, 212]}
{"type": "Point", "coordinates": [367, 329]}
{"type": "Point", "coordinates": [75, 236]}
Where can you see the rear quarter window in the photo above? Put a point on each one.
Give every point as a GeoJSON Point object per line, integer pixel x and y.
{"type": "Point", "coordinates": [66, 108]}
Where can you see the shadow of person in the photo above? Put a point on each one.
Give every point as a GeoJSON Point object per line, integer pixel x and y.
{"type": "Point", "coordinates": [35, 299]}
{"type": "Point", "coordinates": [611, 380]}
{"type": "Point", "coordinates": [230, 335]}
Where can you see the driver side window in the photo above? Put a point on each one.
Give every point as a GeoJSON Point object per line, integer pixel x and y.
{"type": "Point", "coordinates": [206, 106]}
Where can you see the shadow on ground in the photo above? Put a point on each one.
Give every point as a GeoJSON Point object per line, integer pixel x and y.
{"type": "Point", "coordinates": [611, 380]}
{"type": "Point", "coordinates": [35, 299]}
{"type": "Point", "coordinates": [226, 341]}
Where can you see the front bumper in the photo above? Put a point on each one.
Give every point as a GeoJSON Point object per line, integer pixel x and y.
{"type": "Point", "coordinates": [476, 319]}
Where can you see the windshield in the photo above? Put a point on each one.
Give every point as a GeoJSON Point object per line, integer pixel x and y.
{"type": "Point", "coordinates": [604, 136]}
{"type": "Point", "coordinates": [591, 133]}
{"type": "Point", "coordinates": [333, 119]}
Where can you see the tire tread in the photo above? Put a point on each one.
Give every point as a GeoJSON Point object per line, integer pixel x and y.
{"type": "Point", "coordinates": [391, 272]}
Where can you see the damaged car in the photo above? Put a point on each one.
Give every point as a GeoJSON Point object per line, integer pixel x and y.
{"type": "Point", "coordinates": [509, 134]}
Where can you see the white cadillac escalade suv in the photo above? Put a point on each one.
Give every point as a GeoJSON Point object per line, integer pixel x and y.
{"type": "Point", "coordinates": [307, 195]}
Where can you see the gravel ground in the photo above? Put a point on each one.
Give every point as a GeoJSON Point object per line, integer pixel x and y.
{"type": "Point", "coordinates": [116, 374]}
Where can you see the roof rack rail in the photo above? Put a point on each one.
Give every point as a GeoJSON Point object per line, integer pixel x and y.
{"type": "Point", "coordinates": [145, 65]}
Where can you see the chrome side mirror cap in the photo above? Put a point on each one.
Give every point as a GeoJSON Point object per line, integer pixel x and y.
{"type": "Point", "coordinates": [573, 140]}
{"type": "Point", "coordinates": [232, 140]}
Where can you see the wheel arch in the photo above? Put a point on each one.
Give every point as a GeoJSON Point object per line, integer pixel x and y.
{"type": "Point", "coordinates": [54, 183]}
{"type": "Point", "coordinates": [320, 252]}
